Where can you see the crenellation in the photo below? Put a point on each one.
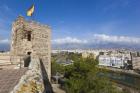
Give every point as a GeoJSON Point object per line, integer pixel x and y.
{"type": "Point", "coordinates": [37, 24]}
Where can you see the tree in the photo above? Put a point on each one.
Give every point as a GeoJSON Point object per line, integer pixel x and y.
{"type": "Point", "coordinates": [82, 77]}
{"type": "Point", "coordinates": [56, 68]}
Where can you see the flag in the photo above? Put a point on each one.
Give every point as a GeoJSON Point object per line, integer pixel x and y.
{"type": "Point", "coordinates": [30, 11]}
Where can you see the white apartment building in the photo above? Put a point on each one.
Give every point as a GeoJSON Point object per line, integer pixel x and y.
{"type": "Point", "coordinates": [112, 61]}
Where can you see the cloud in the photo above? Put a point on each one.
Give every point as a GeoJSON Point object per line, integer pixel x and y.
{"type": "Point", "coordinates": [68, 40]}
{"type": "Point", "coordinates": [115, 39]}
{"type": "Point", "coordinates": [97, 40]}
{"type": "Point", "coordinates": [4, 44]}
{"type": "Point", "coordinates": [4, 41]}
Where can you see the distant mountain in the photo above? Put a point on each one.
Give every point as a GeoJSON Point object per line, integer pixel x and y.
{"type": "Point", "coordinates": [6, 47]}
{"type": "Point", "coordinates": [95, 46]}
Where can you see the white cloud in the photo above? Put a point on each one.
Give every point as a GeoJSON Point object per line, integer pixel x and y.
{"type": "Point", "coordinates": [99, 39]}
{"type": "Point", "coordinates": [4, 41]}
{"type": "Point", "coordinates": [68, 40]}
{"type": "Point", "coordinates": [115, 39]}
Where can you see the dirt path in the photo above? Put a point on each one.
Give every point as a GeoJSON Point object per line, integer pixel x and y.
{"type": "Point", "coordinates": [56, 89]}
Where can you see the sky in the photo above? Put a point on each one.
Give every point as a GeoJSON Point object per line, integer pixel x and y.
{"type": "Point", "coordinates": [78, 23]}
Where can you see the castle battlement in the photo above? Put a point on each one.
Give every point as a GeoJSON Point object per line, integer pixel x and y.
{"type": "Point", "coordinates": [21, 19]}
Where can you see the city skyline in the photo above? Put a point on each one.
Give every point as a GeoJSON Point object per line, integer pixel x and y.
{"type": "Point", "coordinates": [78, 23]}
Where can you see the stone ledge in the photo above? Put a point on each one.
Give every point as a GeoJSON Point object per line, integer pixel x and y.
{"type": "Point", "coordinates": [32, 81]}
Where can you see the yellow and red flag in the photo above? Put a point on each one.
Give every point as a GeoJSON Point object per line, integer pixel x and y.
{"type": "Point", "coordinates": [30, 11]}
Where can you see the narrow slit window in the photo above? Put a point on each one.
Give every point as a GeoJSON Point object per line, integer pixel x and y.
{"type": "Point", "coordinates": [29, 36]}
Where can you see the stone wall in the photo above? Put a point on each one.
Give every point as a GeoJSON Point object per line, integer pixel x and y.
{"type": "Point", "coordinates": [5, 58]}
{"type": "Point", "coordinates": [32, 81]}
{"type": "Point", "coordinates": [31, 38]}
{"type": "Point", "coordinates": [39, 44]}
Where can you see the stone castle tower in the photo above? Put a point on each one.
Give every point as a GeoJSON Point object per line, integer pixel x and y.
{"type": "Point", "coordinates": [32, 39]}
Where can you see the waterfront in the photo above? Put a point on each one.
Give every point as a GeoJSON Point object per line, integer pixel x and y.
{"type": "Point", "coordinates": [125, 79]}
